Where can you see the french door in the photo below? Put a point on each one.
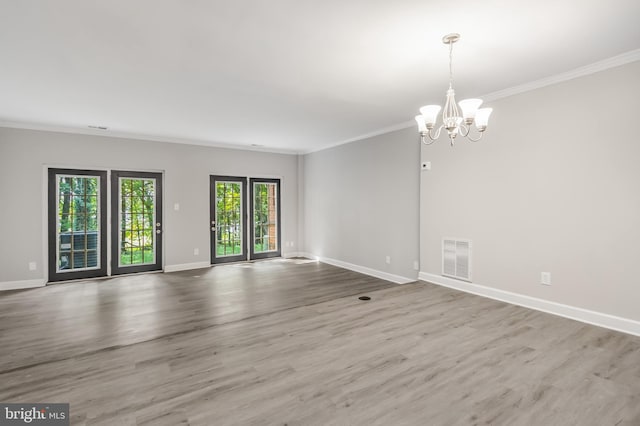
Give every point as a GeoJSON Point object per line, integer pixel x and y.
{"type": "Point", "coordinates": [238, 236]}
{"type": "Point", "coordinates": [228, 214]}
{"type": "Point", "coordinates": [77, 223]}
{"type": "Point", "coordinates": [265, 216]}
{"type": "Point", "coordinates": [136, 222]}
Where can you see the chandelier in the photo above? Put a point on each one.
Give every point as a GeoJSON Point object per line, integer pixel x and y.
{"type": "Point", "coordinates": [452, 121]}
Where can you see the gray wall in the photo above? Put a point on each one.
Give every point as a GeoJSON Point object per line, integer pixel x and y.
{"type": "Point", "coordinates": [554, 186]}
{"type": "Point", "coordinates": [24, 153]}
{"type": "Point", "coordinates": [361, 203]}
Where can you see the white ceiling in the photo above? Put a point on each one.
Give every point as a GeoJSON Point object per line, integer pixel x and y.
{"type": "Point", "coordinates": [291, 75]}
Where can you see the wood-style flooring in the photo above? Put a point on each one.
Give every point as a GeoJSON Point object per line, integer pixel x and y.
{"type": "Point", "coordinates": [287, 342]}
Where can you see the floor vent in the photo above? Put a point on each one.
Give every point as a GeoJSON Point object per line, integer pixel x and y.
{"type": "Point", "coordinates": [456, 258]}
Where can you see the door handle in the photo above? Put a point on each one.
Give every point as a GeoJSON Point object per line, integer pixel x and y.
{"type": "Point", "coordinates": [158, 231]}
{"type": "Point", "coordinates": [213, 228]}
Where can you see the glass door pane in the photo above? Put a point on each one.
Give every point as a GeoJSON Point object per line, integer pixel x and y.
{"type": "Point", "coordinates": [265, 216]}
{"type": "Point", "coordinates": [77, 222]}
{"type": "Point", "coordinates": [228, 213]}
{"type": "Point", "coordinates": [136, 222]}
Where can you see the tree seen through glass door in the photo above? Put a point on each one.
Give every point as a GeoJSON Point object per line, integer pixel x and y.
{"type": "Point", "coordinates": [265, 217]}
{"type": "Point", "coordinates": [137, 221]}
{"type": "Point", "coordinates": [228, 218]}
{"type": "Point", "coordinates": [78, 224]}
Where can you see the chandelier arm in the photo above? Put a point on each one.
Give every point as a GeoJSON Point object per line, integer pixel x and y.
{"type": "Point", "coordinates": [424, 135]}
{"type": "Point", "coordinates": [425, 141]}
{"type": "Point", "coordinates": [464, 130]}
{"type": "Point", "coordinates": [474, 140]}
{"type": "Point", "coordinates": [437, 135]}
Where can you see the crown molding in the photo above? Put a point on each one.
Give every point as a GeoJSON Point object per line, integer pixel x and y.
{"type": "Point", "coordinates": [137, 136]}
{"type": "Point", "coordinates": [381, 131]}
{"type": "Point", "coordinates": [616, 61]}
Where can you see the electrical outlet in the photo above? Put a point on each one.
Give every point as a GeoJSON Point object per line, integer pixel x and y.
{"type": "Point", "coordinates": [388, 260]}
{"type": "Point", "coordinates": [196, 251]}
{"type": "Point", "coordinates": [416, 265]}
{"type": "Point", "coordinates": [33, 266]}
{"type": "Point", "coordinates": [545, 278]}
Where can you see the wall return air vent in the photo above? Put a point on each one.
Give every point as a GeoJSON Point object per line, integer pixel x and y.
{"type": "Point", "coordinates": [456, 258]}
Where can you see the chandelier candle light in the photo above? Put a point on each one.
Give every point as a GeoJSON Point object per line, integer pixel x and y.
{"type": "Point", "coordinates": [451, 118]}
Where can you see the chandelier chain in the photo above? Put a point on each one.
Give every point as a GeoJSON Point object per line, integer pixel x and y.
{"type": "Point", "coordinates": [450, 64]}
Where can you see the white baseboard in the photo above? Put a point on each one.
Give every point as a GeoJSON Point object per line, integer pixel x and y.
{"type": "Point", "coordinates": [200, 265]}
{"type": "Point", "coordinates": [291, 254]}
{"type": "Point", "coordinates": [362, 269]}
{"type": "Point", "coordinates": [308, 255]}
{"type": "Point", "coordinates": [17, 285]}
{"type": "Point", "coordinates": [579, 314]}
{"type": "Point", "coordinates": [186, 266]}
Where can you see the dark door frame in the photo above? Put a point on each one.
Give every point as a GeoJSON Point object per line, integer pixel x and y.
{"type": "Point", "coordinates": [52, 222]}
{"type": "Point", "coordinates": [277, 253]}
{"type": "Point", "coordinates": [116, 269]}
{"type": "Point", "coordinates": [212, 218]}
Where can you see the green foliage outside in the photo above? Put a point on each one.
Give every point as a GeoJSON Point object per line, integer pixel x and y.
{"type": "Point", "coordinates": [137, 221]}
{"type": "Point", "coordinates": [228, 218]}
{"type": "Point", "coordinates": [77, 221]}
{"type": "Point", "coordinates": [77, 204]}
{"type": "Point", "coordinates": [137, 256]}
{"type": "Point", "coordinates": [227, 249]}
{"type": "Point", "coordinates": [223, 250]}
{"type": "Point", "coordinates": [78, 215]}
{"type": "Point", "coordinates": [264, 205]}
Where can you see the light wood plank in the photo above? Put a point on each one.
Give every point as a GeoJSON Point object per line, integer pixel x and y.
{"type": "Point", "coordinates": [288, 342]}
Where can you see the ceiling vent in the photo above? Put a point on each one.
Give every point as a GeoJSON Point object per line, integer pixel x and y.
{"type": "Point", "coordinates": [456, 258]}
